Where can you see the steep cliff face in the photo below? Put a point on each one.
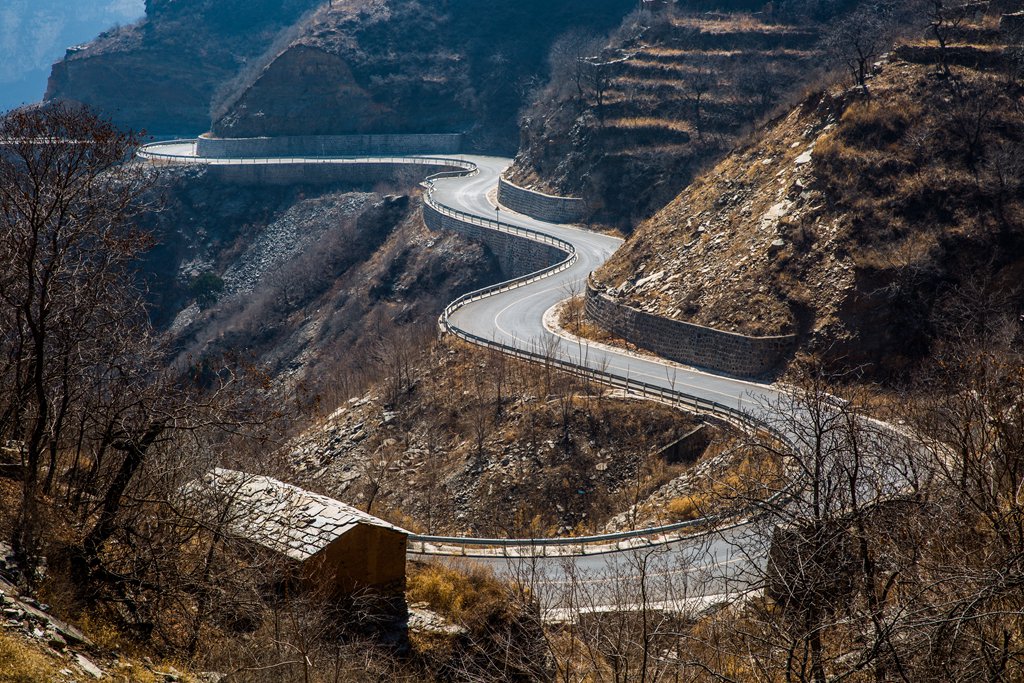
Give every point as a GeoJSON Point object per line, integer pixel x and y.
{"type": "Point", "coordinates": [301, 281]}
{"type": "Point", "coordinates": [35, 32]}
{"type": "Point", "coordinates": [407, 66]}
{"type": "Point", "coordinates": [302, 67]}
{"type": "Point", "coordinates": [161, 74]}
{"type": "Point", "coordinates": [273, 104]}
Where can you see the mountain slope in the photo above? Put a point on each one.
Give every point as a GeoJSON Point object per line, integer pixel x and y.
{"type": "Point", "coordinates": [869, 225]}
{"type": "Point", "coordinates": [301, 282]}
{"type": "Point", "coordinates": [627, 125]}
{"type": "Point", "coordinates": [174, 60]}
{"type": "Point", "coordinates": [35, 32]}
{"type": "Point", "coordinates": [303, 67]}
{"type": "Point", "coordinates": [382, 66]}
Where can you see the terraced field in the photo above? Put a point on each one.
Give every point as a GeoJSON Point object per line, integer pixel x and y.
{"type": "Point", "coordinates": [671, 100]}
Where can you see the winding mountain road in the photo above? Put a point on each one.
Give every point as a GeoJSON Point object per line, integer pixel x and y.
{"type": "Point", "coordinates": [678, 569]}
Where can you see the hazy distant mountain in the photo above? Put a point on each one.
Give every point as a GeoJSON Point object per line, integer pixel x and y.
{"type": "Point", "coordinates": [35, 33]}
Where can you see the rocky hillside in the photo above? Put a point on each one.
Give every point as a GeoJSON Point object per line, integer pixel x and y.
{"type": "Point", "coordinates": [871, 224]}
{"type": "Point", "coordinates": [309, 66]}
{"type": "Point", "coordinates": [462, 440]}
{"type": "Point", "coordinates": [161, 74]}
{"type": "Point", "coordinates": [33, 33]}
{"type": "Point", "coordinates": [406, 66]}
{"type": "Point", "coordinates": [627, 124]}
{"type": "Point", "coordinates": [299, 281]}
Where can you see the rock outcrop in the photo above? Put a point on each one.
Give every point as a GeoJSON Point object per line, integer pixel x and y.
{"type": "Point", "coordinates": [162, 73]}
{"type": "Point", "coordinates": [406, 66]}
{"type": "Point", "coordinates": [304, 67]}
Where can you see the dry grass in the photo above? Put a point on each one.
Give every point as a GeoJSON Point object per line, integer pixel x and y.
{"type": "Point", "coordinates": [734, 24]}
{"type": "Point", "coordinates": [885, 223]}
{"type": "Point", "coordinates": [461, 596]}
{"type": "Point", "coordinates": [487, 445]}
{"type": "Point", "coordinates": [648, 122]}
{"type": "Point", "coordinates": [687, 507]}
{"type": "Point", "coordinates": [755, 477]}
{"type": "Point", "coordinates": [20, 663]}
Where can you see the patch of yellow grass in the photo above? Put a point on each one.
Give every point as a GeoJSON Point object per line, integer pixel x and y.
{"type": "Point", "coordinates": [459, 596]}
{"type": "Point", "coordinates": [686, 508]}
{"type": "Point", "coordinates": [752, 478]}
{"type": "Point", "coordinates": [650, 122]}
{"type": "Point", "coordinates": [20, 663]}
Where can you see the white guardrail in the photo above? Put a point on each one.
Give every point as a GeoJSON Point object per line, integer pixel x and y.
{"type": "Point", "coordinates": [587, 545]}
{"type": "Point", "coordinates": [150, 153]}
{"type": "Point", "coordinates": [529, 547]}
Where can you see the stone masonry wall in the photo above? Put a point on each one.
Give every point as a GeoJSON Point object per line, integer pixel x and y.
{"type": "Point", "coordinates": [541, 206]}
{"type": "Point", "coordinates": [733, 354]}
{"type": "Point", "coordinates": [318, 173]}
{"type": "Point", "coordinates": [329, 145]}
{"type": "Point", "coordinates": [516, 255]}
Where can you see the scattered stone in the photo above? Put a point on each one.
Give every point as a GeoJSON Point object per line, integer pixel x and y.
{"type": "Point", "coordinates": [56, 640]}
{"type": "Point", "coordinates": [642, 282]}
{"type": "Point", "coordinates": [88, 667]}
{"type": "Point", "coordinates": [70, 633]}
{"type": "Point", "coordinates": [426, 621]}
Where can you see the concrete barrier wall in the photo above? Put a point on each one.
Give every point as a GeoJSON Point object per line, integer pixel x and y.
{"type": "Point", "coordinates": [706, 347]}
{"type": "Point", "coordinates": [329, 145]}
{"type": "Point", "coordinates": [320, 173]}
{"type": "Point", "coordinates": [516, 255]}
{"type": "Point", "coordinates": [541, 206]}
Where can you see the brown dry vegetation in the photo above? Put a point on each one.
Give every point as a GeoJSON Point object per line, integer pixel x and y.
{"type": "Point", "coordinates": [675, 94]}
{"type": "Point", "coordinates": [20, 663]}
{"type": "Point", "coordinates": [862, 224]}
{"type": "Point", "coordinates": [471, 441]}
{"type": "Point", "coordinates": [256, 633]}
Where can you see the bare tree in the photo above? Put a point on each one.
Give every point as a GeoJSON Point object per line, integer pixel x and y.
{"type": "Point", "coordinates": [698, 83]}
{"type": "Point", "coordinates": [68, 308]}
{"type": "Point", "coordinates": [569, 67]}
{"type": "Point", "coordinates": [760, 83]}
{"type": "Point", "coordinates": [858, 39]}
{"type": "Point", "coordinates": [822, 542]}
{"type": "Point", "coordinates": [599, 80]}
{"type": "Point", "coordinates": [944, 21]}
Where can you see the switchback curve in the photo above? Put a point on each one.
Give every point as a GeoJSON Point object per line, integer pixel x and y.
{"type": "Point", "coordinates": [510, 316]}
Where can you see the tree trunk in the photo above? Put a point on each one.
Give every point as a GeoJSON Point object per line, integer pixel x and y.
{"type": "Point", "coordinates": [135, 454]}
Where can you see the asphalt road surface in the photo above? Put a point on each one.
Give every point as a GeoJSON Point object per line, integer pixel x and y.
{"type": "Point", "coordinates": [686, 573]}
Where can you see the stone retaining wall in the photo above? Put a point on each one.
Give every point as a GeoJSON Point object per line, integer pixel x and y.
{"type": "Point", "coordinates": [705, 347]}
{"type": "Point", "coordinates": [319, 173]}
{"type": "Point", "coordinates": [328, 145]}
{"type": "Point", "coordinates": [969, 56]}
{"type": "Point", "coordinates": [516, 255]}
{"type": "Point", "coordinates": [541, 206]}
